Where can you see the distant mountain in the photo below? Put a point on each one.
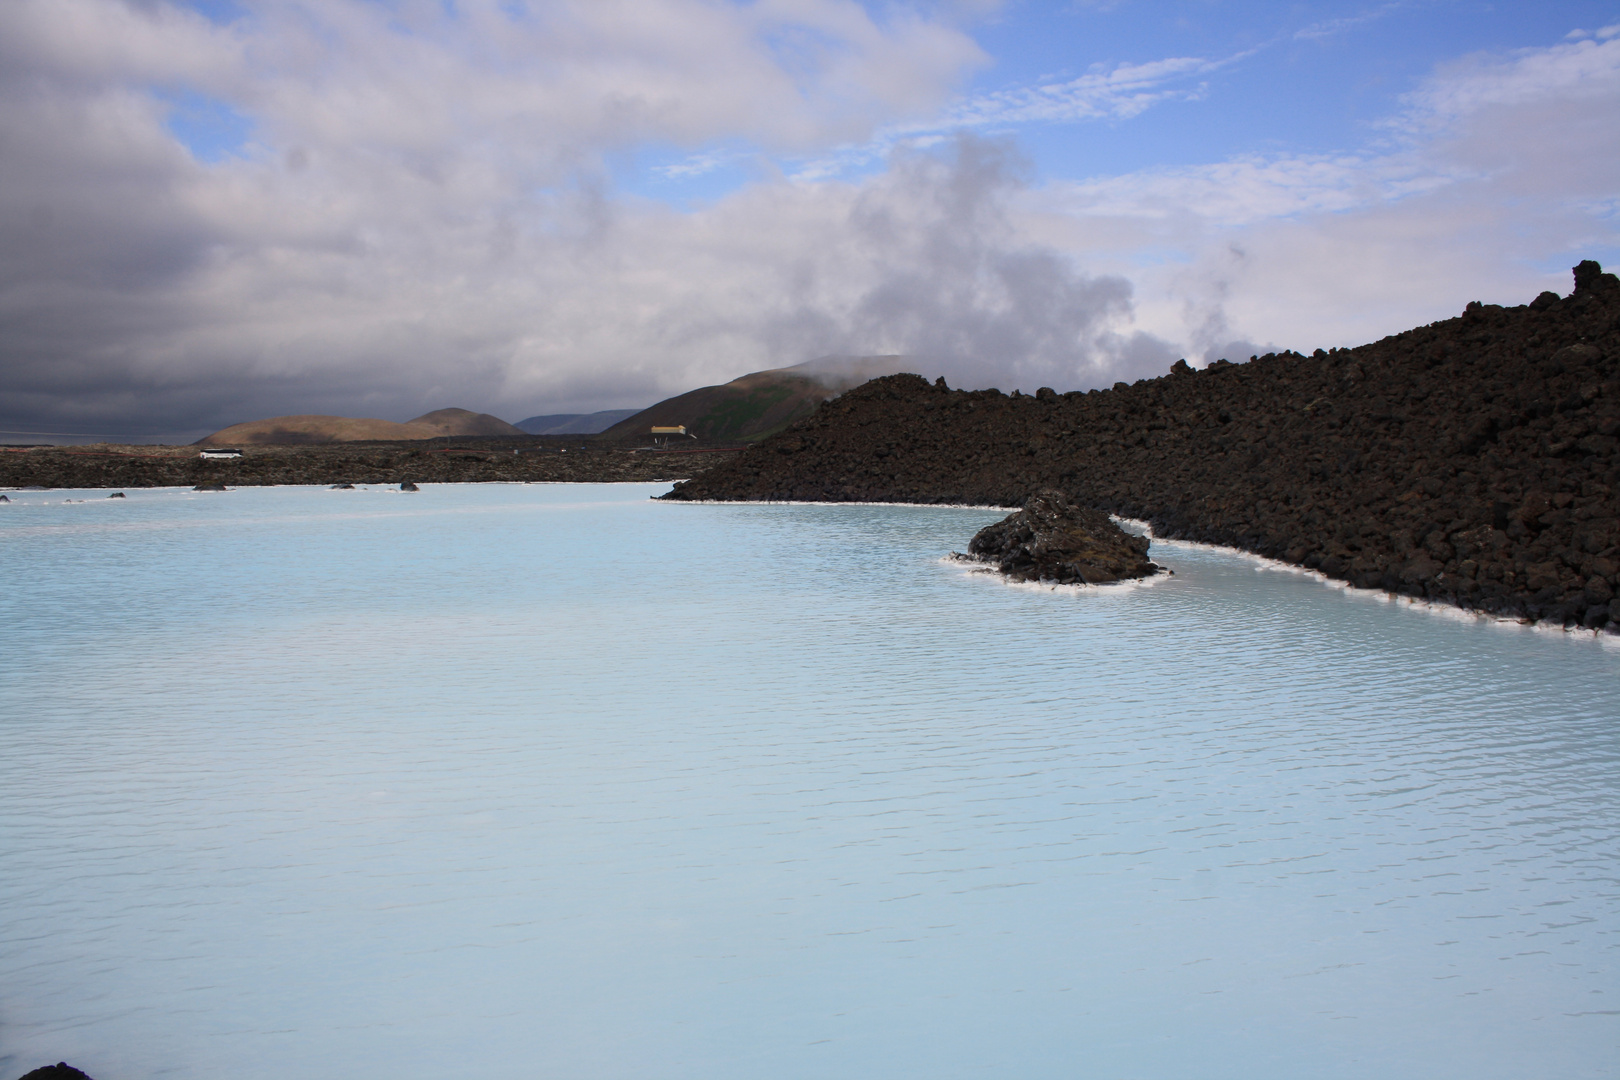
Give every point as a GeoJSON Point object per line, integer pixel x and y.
{"type": "Point", "coordinates": [464, 422]}
{"type": "Point", "coordinates": [575, 423]}
{"type": "Point", "coordinates": [758, 404]}
{"type": "Point", "coordinates": [313, 430]}
{"type": "Point", "coordinates": [542, 425]}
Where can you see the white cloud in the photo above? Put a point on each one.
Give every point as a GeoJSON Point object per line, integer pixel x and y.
{"type": "Point", "coordinates": [1583, 71]}
{"type": "Point", "coordinates": [1333, 27]}
{"type": "Point", "coordinates": [1602, 33]}
{"type": "Point", "coordinates": [92, 43]}
{"type": "Point", "coordinates": [1247, 190]}
{"type": "Point", "coordinates": [1106, 92]}
{"type": "Point", "coordinates": [1496, 166]}
{"type": "Point", "coordinates": [1119, 92]}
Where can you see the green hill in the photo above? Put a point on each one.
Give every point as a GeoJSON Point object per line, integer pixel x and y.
{"type": "Point", "coordinates": [758, 404]}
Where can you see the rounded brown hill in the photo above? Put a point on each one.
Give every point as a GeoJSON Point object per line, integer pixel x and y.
{"type": "Point", "coordinates": [465, 422]}
{"type": "Point", "coordinates": [315, 430]}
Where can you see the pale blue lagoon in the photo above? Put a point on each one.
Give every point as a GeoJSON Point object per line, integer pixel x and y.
{"type": "Point", "coordinates": [560, 782]}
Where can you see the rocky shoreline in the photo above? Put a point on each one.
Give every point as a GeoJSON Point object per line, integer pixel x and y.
{"type": "Point", "coordinates": [428, 461]}
{"type": "Point", "coordinates": [1472, 461]}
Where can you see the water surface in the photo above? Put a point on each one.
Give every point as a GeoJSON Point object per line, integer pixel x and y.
{"type": "Point", "coordinates": [555, 781]}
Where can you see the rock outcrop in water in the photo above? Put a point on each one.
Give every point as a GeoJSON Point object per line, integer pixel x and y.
{"type": "Point", "coordinates": [1474, 461]}
{"type": "Point", "coordinates": [60, 1071]}
{"type": "Point", "coordinates": [1051, 539]}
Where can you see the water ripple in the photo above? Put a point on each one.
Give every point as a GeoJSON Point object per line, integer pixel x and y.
{"type": "Point", "coordinates": [558, 781]}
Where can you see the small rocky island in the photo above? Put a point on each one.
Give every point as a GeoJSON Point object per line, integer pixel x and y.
{"type": "Point", "coordinates": [1052, 539]}
{"type": "Point", "coordinates": [60, 1071]}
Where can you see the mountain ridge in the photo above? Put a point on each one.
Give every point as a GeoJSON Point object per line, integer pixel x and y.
{"type": "Point", "coordinates": [760, 403]}
{"type": "Point", "coordinates": [574, 423]}
{"type": "Point", "coordinates": [314, 429]}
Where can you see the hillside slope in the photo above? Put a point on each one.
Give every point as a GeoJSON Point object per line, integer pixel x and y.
{"type": "Point", "coordinates": [457, 422]}
{"type": "Point", "coordinates": [1472, 461]}
{"type": "Point", "coordinates": [757, 404]}
{"type": "Point", "coordinates": [314, 430]}
{"type": "Point", "coordinates": [574, 423]}
{"type": "Point", "coordinates": [311, 430]}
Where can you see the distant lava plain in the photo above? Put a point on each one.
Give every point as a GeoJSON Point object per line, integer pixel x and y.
{"type": "Point", "coordinates": [1472, 461]}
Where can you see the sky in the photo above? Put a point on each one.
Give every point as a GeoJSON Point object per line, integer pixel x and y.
{"type": "Point", "coordinates": [222, 210]}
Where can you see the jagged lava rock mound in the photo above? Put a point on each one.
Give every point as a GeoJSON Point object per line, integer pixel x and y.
{"type": "Point", "coordinates": [1051, 539]}
{"type": "Point", "coordinates": [60, 1071]}
{"type": "Point", "coordinates": [1470, 461]}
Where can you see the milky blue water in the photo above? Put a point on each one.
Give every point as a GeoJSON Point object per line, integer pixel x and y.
{"type": "Point", "coordinates": [555, 781]}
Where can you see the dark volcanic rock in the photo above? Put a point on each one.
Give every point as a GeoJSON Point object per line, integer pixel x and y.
{"type": "Point", "coordinates": [1590, 276]}
{"type": "Point", "coordinates": [1051, 539]}
{"type": "Point", "coordinates": [1474, 461]}
{"type": "Point", "coordinates": [447, 461]}
{"type": "Point", "coordinates": [60, 1071]}
{"type": "Point", "coordinates": [118, 495]}
{"type": "Point", "coordinates": [211, 485]}
{"type": "Point", "coordinates": [408, 486]}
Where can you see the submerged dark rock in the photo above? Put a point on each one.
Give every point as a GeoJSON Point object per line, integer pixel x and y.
{"type": "Point", "coordinates": [1474, 461]}
{"type": "Point", "coordinates": [342, 487]}
{"type": "Point", "coordinates": [60, 1071]}
{"type": "Point", "coordinates": [1051, 539]}
{"type": "Point", "coordinates": [117, 495]}
{"type": "Point", "coordinates": [211, 485]}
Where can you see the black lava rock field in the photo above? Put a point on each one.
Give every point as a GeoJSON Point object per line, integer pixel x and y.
{"type": "Point", "coordinates": [533, 460]}
{"type": "Point", "coordinates": [1472, 461]}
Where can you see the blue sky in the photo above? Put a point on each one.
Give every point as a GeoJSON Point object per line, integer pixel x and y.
{"type": "Point", "coordinates": [210, 128]}
{"type": "Point", "coordinates": [221, 210]}
{"type": "Point", "coordinates": [1296, 78]}
{"type": "Point", "coordinates": [1275, 77]}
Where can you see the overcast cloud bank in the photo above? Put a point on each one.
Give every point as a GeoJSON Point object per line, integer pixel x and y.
{"type": "Point", "coordinates": [381, 209]}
